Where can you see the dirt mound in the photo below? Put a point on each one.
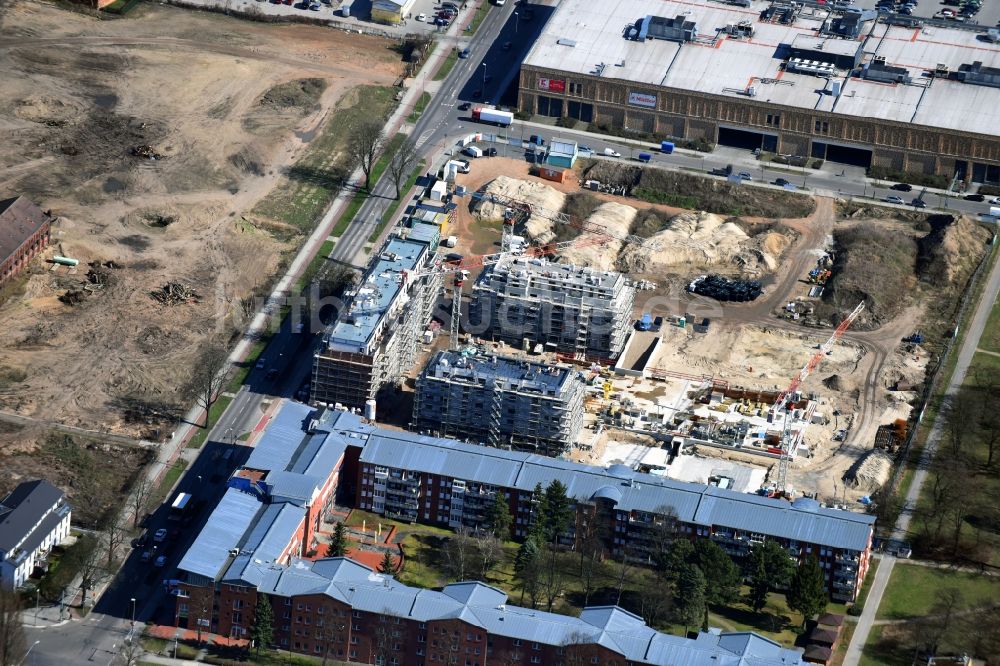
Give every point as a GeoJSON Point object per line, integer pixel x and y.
{"type": "Point", "coordinates": [870, 472]}
{"type": "Point", "coordinates": [946, 252]}
{"type": "Point", "coordinates": [874, 264]}
{"type": "Point", "coordinates": [301, 93]}
{"type": "Point", "coordinates": [537, 194]}
{"type": "Point", "coordinates": [599, 251]}
{"type": "Point", "coordinates": [702, 241]}
{"type": "Point", "coordinates": [48, 110]}
{"type": "Point", "coordinates": [684, 190]}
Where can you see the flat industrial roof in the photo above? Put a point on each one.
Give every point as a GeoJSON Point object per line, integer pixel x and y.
{"type": "Point", "coordinates": [512, 373]}
{"type": "Point", "coordinates": [593, 42]}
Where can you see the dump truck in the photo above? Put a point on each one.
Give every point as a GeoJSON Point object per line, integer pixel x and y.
{"type": "Point", "coordinates": [501, 118]}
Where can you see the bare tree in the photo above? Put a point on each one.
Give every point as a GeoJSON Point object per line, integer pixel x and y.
{"type": "Point", "coordinates": [92, 572]}
{"type": "Point", "coordinates": [579, 649]}
{"type": "Point", "coordinates": [553, 577]}
{"type": "Point", "coordinates": [364, 146]}
{"type": "Point", "coordinates": [11, 628]}
{"type": "Point", "coordinates": [115, 534]}
{"type": "Point", "coordinates": [131, 652]}
{"type": "Point", "coordinates": [200, 605]}
{"type": "Point", "coordinates": [328, 629]}
{"type": "Point", "coordinates": [460, 553]}
{"type": "Point", "coordinates": [208, 377]}
{"type": "Point", "coordinates": [402, 164]}
{"type": "Point", "coordinates": [490, 552]}
{"type": "Point", "coordinates": [141, 498]}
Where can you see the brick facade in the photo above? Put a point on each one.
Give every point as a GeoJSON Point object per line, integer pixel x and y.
{"type": "Point", "coordinates": [691, 115]}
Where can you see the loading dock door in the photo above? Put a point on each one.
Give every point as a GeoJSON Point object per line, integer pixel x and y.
{"type": "Point", "coordinates": [739, 138]}
{"type": "Point", "coordinates": [842, 154]}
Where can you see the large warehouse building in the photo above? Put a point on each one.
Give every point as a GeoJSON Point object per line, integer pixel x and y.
{"type": "Point", "coordinates": [795, 80]}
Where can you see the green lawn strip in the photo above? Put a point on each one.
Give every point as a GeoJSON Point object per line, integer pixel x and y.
{"type": "Point", "coordinates": [390, 212]}
{"type": "Point", "coordinates": [866, 586]}
{"type": "Point", "coordinates": [169, 479]}
{"type": "Point", "coordinates": [358, 200]}
{"type": "Point", "coordinates": [991, 336]}
{"type": "Point", "coordinates": [318, 175]}
{"type": "Point", "coordinates": [447, 65]}
{"type": "Point", "coordinates": [418, 108]}
{"type": "Point", "coordinates": [913, 589]}
{"type": "Point", "coordinates": [478, 18]}
{"type": "Point", "coordinates": [214, 413]}
{"type": "Point", "coordinates": [314, 266]}
{"type": "Point", "coordinates": [240, 376]}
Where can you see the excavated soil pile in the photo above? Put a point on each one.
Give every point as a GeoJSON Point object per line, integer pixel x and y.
{"type": "Point", "coordinates": [537, 194]}
{"type": "Point", "coordinates": [599, 251]}
{"type": "Point", "coordinates": [703, 241]}
{"type": "Point", "coordinates": [870, 472]}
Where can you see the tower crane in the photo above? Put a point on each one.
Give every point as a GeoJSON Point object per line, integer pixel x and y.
{"type": "Point", "coordinates": [515, 211]}
{"type": "Point", "coordinates": [782, 401]}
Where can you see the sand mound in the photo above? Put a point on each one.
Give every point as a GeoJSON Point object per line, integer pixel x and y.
{"type": "Point", "coordinates": [870, 472]}
{"type": "Point", "coordinates": [705, 240]}
{"type": "Point", "coordinates": [598, 251]}
{"type": "Point", "coordinates": [536, 194]}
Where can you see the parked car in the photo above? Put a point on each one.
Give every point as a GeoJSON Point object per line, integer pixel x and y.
{"type": "Point", "coordinates": [464, 106]}
{"type": "Point", "coordinates": [489, 152]}
{"type": "Point", "coordinates": [315, 7]}
{"type": "Point", "coordinates": [146, 556]}
{"type": "Point", "coordinates": [160, 561]}
{"type": "Point", "coordinates": [261, 363]}
{"type": "Point", "coordinates": [745, 175]}
{"type": "Point", "coordinates": [995, 200]}
{"type": "Point", "coordinates": [160, 535]}
{"type": "Point", "coordinates": [781, 182]}
{"type": "Point", "coordinates": [140, 542]}
{"type": "Point", "coordinates": [918, 203]}
{"type": "Point", "coordinates": [893, 199]}
{"type": "Point", "coordinates": [506, 46]}
{"type": "Point", "coordinates": [902, 187]}
{"type": "Point", "coordinates": [464, 53]}
{"type": "Point", "coordinates": [463, 166]}
{"type": "Point", "coordinates": [974, 197]}
{"type": "Point", "coordinates": [610, 152]}
{"type": "Point", "coordinates": [421, 17]}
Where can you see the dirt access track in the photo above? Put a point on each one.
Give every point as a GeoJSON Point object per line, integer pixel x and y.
{"type": "Point", "coordinates": [80, 96]}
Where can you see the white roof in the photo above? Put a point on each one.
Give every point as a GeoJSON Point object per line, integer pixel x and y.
{"type": "Point", "coordinates": [594, 43]}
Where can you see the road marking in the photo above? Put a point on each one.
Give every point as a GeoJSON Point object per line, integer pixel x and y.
{"type": "Point", "coordinates": [422, 139]}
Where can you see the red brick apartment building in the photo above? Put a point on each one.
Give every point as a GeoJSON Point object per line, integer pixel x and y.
{"type": "Point", "coordinates": [24, 232]}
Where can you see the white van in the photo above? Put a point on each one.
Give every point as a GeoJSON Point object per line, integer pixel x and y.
{"type": "Point", "coordinates": [473, 151]}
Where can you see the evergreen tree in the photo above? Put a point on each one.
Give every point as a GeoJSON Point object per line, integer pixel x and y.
{"type": "Point", "coordinates": [679, 554]}
{"type": "Point", "coordinates": [722, 576]}
{"type": "Point", "coordinates": [558, 511]}
{"type": "Point", "coordinates": [526, 568]}
{"type": "Point", "coordinates": [338, 545]}
{"type": "Point", "coordinates": [769, 567]}
{"type": "Point", "coordinates": [499, 517]}
{"type": "Point", "coordinates": [807, 593]}
{"type": "Point", "coordinates": [387, 565]}
{"type": "Point", "coordinates": [689, 598]}
{"type": "Point", "coordinates": [262, 631]}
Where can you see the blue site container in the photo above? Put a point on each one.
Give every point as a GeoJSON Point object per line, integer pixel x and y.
{"type": "Point", "coordinates": [645, 157]}
{"type": "Point", "coordinates": [666, 147]}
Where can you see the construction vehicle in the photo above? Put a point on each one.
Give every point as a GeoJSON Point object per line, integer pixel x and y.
{"type": "Point", "coordinates": [914, 338]}
{"type": "Point", "coordinates": [785, 398]}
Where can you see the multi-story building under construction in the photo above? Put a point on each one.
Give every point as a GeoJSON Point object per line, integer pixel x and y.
{"type": "Point", "coordinates": [374, 340]}
{"type": "Point", "coordinates": [500, 401]}
{"type": "Point", "coordinates": [567, 308]}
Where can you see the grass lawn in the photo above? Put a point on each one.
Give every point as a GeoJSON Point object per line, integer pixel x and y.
{"type": "Point", "coordinates": [243, 370]}
{"type": "Point", "coordinates": [214, 413]}
{"type": "Point", "coordinates": [361, 195]}
{"type": "Point", "coordinates": [478, 18]}
{"type": "Point", "coordinates": [168, 481]}
{"type": "Point", "coordinates": [449, 63]}
{"type": "Point", "coordinates": [418, 108]}
{"type": "Point", "coordinates": [317, 177]}
{"type": "Point", "coordinates": [314, 266]}
{"type": "Point", "coordinates": [913, 590]}
{"type": "Point", "coordinates": [991, 336]}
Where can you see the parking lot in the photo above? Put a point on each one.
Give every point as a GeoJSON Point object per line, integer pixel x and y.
{"type": "Point", "coordinates": [988, 15]}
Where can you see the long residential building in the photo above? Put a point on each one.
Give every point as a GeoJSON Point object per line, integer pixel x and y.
{"type": "Point", "coordinates": [34, 517]}
{"type": "Point", "coordinates": [259, 543]}
{"type": "Point", "coordinates": [374, 340]}
{"type": "Point", "coordinates": [446, 483]}
{"type": "Point", "coordinates": [566, 308]}
{"type": "Point", "coordinates": [24, 232]}
{"type": "Point", "coordinates": [806, 80]}
{"type": "Point", "coordinates": [500, 401]}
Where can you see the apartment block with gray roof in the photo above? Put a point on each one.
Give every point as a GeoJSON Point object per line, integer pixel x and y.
{"type": "Point", "coordinates": [500, 401]}
{"type": "Point", "coordinates": [34, 517]}
{"type": "Point", "coordinates": [571, 309]}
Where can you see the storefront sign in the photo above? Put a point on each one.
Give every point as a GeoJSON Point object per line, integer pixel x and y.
{"type": "Point", "coordinates": [642, 99]}
{"type": "Point", "coordinates": [552, 85]}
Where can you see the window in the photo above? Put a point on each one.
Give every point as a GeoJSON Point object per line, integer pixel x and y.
{"type": "Point", "coordinates": [287, 615]}
{"type": "Point", "coordinates": [575, 88]}
{"type": "Point", "coordinates": [822, 127]}
{"type": "Point", "coordinates": [356, 613]}
{"type": "Point", "coordinates": [536, 646]}
{"type": "Point", "coordinates": [237, 604]}
{"type": "Point", "coordinates": [237, 617]}
{"type": "Point", "coordinates": [517, 642]}
{"type": "Point", "coordinates": [536, 659]}
{"type": "Point", "coordinates": [774, 119]}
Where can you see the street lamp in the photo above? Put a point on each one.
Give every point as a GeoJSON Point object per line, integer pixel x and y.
{"type": "Point", "coordinates": [28, 652]}
{"type": "Point", "coordinates": [515, 23]}
{"type": "Point", "coordinates": [133, 611]}
{"type": "Point", "coordinates": [36, 606]}
{"type": "Point", "coordinates": [484, 80]}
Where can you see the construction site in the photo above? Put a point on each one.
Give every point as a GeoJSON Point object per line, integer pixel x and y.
{"type": "Point", "coordinates": [807, 390]}
{"type": "Point", "coordinates": [151, 141]}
